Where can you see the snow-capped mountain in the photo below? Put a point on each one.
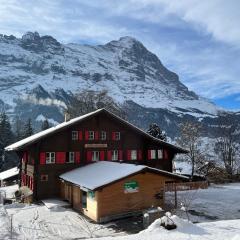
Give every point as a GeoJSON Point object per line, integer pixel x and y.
{"type": "Point", "coordinates": [124, 67]}
{"type": "Point", "coordinates": [39, 76]}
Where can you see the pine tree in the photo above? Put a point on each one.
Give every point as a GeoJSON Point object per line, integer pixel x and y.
{"type": "Point", "coordinates": [28, 129]}
{"type": "Point", "coordinates": [45, 125]}
{"type": "Point", "coordinates": [156, 132]}
{"type": "Point", "coordinates": [6, 135]}
{"type": "Point", "coordinates": [18, 128]}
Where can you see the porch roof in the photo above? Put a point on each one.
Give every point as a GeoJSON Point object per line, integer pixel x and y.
{"type": "Point", "coordinates": [99, 174]}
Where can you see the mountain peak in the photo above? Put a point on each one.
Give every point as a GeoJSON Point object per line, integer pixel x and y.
{"type": "Point", "coordinates": [31, 36]}
{"type": "Point", "coordinates": [125, 42]}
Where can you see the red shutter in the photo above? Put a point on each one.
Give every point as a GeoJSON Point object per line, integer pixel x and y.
{"type": "Point", "coordinates": [77, 157]}
{"type": "Point", "coordinates": [128, 154]}
{"type": "Point", "coordinates": [109, 155]}
{"type": "Point", "coordinates": [25, 157]}
{"type": "Point", "coordinates": [80, 135]}
{"type": "Point", "coordinates": [60, 157]}
{"type": "Point", "coordinates": [120, 155]}
{"type": "Point", "coordinates": [96, 135]}
{"type": "Point", "coordinates": [86, 135]}
{"type": "Point", "coordinates": [149, 155]}
{"type": "Point", "coordinates": [32, 183]}
{"type": "Point", "coordinates": [42, 158]}
{"type": "Point", "coordinates": [165, 154]}
{"type": "Point", "coordinates": [89, 156]}
{"type": "Point", "coordinates": [102, 155]}
{"type": "Point", "coordinates": [140, 155]}
{"type": "Point", "coordinates": [113, 136]}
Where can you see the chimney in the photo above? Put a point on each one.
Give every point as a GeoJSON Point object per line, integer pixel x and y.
{"type": "Point", "coordinates": [66, 117]}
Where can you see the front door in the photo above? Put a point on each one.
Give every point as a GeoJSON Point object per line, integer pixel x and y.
{"type": "Point", "coordinates": [84, 199]}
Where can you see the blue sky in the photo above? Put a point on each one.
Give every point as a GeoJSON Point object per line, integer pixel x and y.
{"type": "Point", "coordinates": [199, 40]}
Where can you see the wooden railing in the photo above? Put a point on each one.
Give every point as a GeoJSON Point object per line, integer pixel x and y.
{"type": "Point", "coordinates": [184, 186]}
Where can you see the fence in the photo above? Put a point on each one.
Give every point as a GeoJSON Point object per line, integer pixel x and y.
{"type": "Point", "coordinates": [184, 186]}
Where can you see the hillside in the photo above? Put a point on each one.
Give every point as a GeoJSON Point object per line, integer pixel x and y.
{"type": "Point", "coordinates": [39, 75]}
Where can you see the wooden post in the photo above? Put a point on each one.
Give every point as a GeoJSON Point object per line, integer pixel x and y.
{"type": "Point", "coordinates": [175, 195]}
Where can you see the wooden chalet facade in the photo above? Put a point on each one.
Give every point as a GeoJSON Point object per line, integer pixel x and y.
{"type": "Point", "coordinates": [97, 136]}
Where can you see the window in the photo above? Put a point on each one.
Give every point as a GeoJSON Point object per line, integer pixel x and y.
{"type": "Point", "coordinates": [117, 135]}
{"type": "Point", "coordinates": [153, 154]}
{"type": "Point", "coordinates": [74, 135]}
{"type": "Point", "coordinates": [44, 178]}
{"type": "Point", "coordinates": [91, 194]}
{"type": "Point", "coordinates": [71, 157]}
{"type": "Point", "coordinates": [103, 135]}
{"type": "Point", "coordinates": [133, 154]}
{"type": "Point", "coordinates": [95, 156]}
{"type": "Point", "coordinates": [114, 155]}
{"type": "Point", "coordinates": [50, 157]}
{"type": "Point", "coordinates": [160, 153]}
{"type": "Point", "coordinates": [91, 135]}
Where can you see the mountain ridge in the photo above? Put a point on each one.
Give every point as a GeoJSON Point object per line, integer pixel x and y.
{"type": "Point", "coordinates": [124, 66]}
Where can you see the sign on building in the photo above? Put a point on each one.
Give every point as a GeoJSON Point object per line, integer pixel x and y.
{"type": "Point", "coordinates": [131, 187]}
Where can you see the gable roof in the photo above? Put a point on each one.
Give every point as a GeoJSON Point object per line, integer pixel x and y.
{"type": "Point", "coordinates": [34, 138]}
{"type": "Point", "coordinates": [107, 173]}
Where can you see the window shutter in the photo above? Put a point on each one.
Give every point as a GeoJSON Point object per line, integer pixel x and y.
{"type": "Point", "coordinates": [165, 154]}
{"type": "Point", "coordinates": [140, 155]}
{"type": "Point", "coordinates": [89, 156]}
{"type": "Point", "coordinates": [149, 155]}
{"type": "Point", "coordinates": [120, 155]}
{"type": "Point", "coordinates": [60, 157]}
{"type": "Point", "coordinates": [113, 136]}
{"type": "Point", "coordinates": [32, 183]}
{"type": "Point", "coordinates": [86, 135]}
{"type": "Point", "coordinates": [80, 135]}
{"type": "Point", "coordinates": [96, 135]}
{"type": "Point", "coordinates": [102, 155]}
{"type": "Point", "coordinates": [42, 158]}
{"type": "Point", "coordinates": [77, 157]}
{"type": "Point", "coordinates": [25, 157]}
{"type": "Point", "coordinates": [109, 155]}
{"type": "Point", "coordinates": [128, 154]}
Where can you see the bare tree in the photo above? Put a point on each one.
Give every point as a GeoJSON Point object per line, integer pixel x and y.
{"type": "Point", "coordinates": [88, 101]}
{"type": "Point", "coordinates": [190, 140]}
{"type": "Point", "coordinates": [227, 145]}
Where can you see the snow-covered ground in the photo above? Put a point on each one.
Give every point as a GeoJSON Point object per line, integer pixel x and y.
{"type": "Point", "coordinates": [219, 202]}
{"type": "Point", "coordinates": [221, 230]}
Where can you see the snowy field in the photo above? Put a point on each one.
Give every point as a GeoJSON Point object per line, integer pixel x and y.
{"type": "Point", "coordinates": [219, 202]}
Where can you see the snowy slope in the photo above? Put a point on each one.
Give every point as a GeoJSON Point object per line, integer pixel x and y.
{"type": "Point", "coordinates": [124, 67]}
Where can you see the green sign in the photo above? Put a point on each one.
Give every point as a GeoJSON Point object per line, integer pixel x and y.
{"type": "Point", "coordinates": [131, 187]}
{"type": "Point", "coordinates": [91, 194]}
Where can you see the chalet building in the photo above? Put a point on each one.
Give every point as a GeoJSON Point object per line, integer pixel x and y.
{"type": "Point", "coordinates": [100, 163]}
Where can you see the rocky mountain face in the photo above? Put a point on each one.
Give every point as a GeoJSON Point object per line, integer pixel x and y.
{"type": "Point", "coordinates": [39, 75]}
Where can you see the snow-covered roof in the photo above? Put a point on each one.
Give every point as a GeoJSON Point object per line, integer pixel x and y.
{"type": "Point", "coordinates": [95, 175]}
{"type": "Point", "coordinates": [9, 173]}
{"type": "Point", "coordinates": [20, 144]}
{"type": "Point", "coordinates": [37, 136]}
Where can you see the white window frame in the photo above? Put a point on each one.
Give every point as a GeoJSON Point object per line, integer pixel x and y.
{"type": "Point", "coordinates": [117, 136]}
{"type": "Point", "coordinates": [50, 157]}
{"type": "Point", "coordinates": [160, 153]}
{"type": "Point", "coordinates": [71, 157]}
{"type": "Point", "coordinates": [114, 155]}
{"type": "Point", "coordinates": [74, 135]}
{"type": "Point", "coordinates": [133, 154]}
{"type": "Point", "coordinates": [95, 156]}
{"type": "Point", "coordinates": [91, 135]}
{"type": "Point", "coordinates": [153, 154]}
{"type": "Point", "coordinates": [103, 135]}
